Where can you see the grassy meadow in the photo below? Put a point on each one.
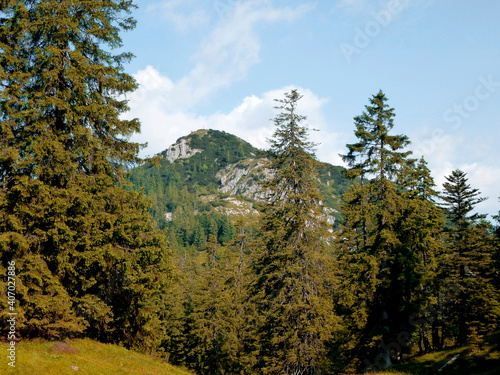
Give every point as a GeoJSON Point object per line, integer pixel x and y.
{"type": "Point", "coordinates": [92, 358]}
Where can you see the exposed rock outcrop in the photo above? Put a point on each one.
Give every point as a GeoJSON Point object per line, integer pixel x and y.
{"type": "Point", "coordinates": [243, 177]}
{"type": "Point", "coordinates": [236, 207]}
{"type": "Point", "coordinates": [180, 150]}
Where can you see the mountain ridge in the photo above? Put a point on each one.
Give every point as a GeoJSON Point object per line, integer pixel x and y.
{"type": "Point", "coordinates": [219, 165]}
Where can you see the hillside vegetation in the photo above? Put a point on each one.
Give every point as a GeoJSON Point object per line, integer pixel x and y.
{"type": "Point", "coordinates": [221, 258]}
{"type": "Point", "coordinates": [470, 359]}
{"type": "Point", "coordinates": [39, 358]}
{"type": "Point", "coordinates": [217, 164]}
{"type": "Point", "coordinates": [91, 358]}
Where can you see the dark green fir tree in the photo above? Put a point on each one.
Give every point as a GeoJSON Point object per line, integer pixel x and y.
{"type": "Point", "coordinates": [74, 232]}
{"type": "Point", "coordinates": [497, 251]}
{"type": "Point", "coordinates": [291, 266]}
{"type": "Point", "coordinates": [386, 242]}
{"type": "Point", "coordinates": [467, 267]}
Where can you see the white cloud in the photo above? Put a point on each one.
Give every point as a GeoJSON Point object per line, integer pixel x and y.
{"type": "Point", "coordinates": [251, 119]}
{"type": "Point", "coordinates": [183, 21]}
{"type": "Point", "coordinates": [446, 151]}
{"type": "Point", "coordinates": [231, 49]}
{"type": "Point", "coordinates": [224, 56]}
{"type": "Point", "coordinates": [152, 85]}
{"type": "Point", "coordinates": [437, 145]}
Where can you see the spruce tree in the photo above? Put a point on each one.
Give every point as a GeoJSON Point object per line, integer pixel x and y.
{"type": "Point", "coordinates": [63, 150]}
{"type": "Point", "coordinates": [387, 238]}
{"type": "Point", "coordinates": [377, 153]}
{"type": "Point", "coordinates": [419, 230]}
{"type": "Point", "coordinates": [291, 277]}
{"type": "Point", "coordinates": [468, 268]}
{"type": "Point", "coordinates": [497, 251]}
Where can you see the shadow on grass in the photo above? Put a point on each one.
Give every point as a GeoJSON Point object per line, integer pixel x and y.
{"type": "Point", "coordinates": [483, 361]}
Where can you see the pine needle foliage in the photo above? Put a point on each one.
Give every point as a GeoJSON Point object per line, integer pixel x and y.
{"type": "Point", "coordinates": [387, 241]}
{"type": "Point", "coordinates": [65, 215]}
{"type": "Point", "coordinates": [291, 277]}
{"type": "Point", "coordinates": [468, 272]}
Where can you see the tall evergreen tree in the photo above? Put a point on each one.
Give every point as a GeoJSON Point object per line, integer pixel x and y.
{"type": "Point", "coordinates": [377, 153]}
{"type": "Point", "coordinates": [497, 252]}
{"type": "Point", "coordinates": [63, 149]}
{"type": "Point", "coordinates": [290, 268]}
{"type": "Point", "coordinates": [419, 230]}
{"type": "Point", "coordinates": [387, 237]}
{"type": "Point", "coordinates": [460, 200]}
{"type": "Point", "coordinates": [468, 267]}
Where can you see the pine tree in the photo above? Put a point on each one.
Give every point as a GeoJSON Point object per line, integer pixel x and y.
{"type": "Point", "coordinates": [387, 239]}
{"type": "Point", "coordinates": [63, 150]}
{"type": "Point", "coordinates": [290, 271]}
{"type": "Point", "coordinates": [376, 153]}
{"type": "Point", "coordinates": [468, 270]}
{"type": "Point", "coordinates": [497, 252]}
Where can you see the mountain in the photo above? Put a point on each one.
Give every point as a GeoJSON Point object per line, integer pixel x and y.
{"type": "Point", "coordinates": [213, 171]}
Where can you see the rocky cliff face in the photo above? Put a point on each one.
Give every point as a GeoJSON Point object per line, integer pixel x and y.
{"type": "Point", "coordinates": [243, 177]}
{"type": "Point", "coordinates": [223, 171]}
{"type": "Point", "coordinates": [180, 150]}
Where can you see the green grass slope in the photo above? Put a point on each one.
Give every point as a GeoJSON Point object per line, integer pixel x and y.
{"type": "Point", "coordinates": [38, 358]}
{"type": "Point", "coordinates": [483, 359]}
{"type": "Point", "coordinates": [93, 358]}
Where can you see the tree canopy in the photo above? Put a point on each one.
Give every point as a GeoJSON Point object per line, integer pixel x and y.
{"type": "Point", "coordinates": [291, 277]}
{"type": "Point", "coordinates": [76, 234]}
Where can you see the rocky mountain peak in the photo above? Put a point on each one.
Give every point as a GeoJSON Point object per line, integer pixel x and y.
{"type": "Point", "coordinates": [224, 169]}
{"type": "Point", "coordinates": [182, 149]}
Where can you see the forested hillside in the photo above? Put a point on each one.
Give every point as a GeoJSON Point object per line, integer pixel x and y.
{"type": "Point", "coordinates": [215, 256]}
{"type": "Point", "coordinates": [403, 270]}
{"type": "Point", "coordinates": [208, 177]}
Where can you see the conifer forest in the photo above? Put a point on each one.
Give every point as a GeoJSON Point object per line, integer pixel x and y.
{"type": "Point", "coordinates": [228, 259]}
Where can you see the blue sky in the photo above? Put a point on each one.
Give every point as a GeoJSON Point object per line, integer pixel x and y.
{"type": "Point", "coordinates": [220, 63]}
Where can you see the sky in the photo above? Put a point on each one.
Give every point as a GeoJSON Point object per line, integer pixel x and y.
{"type": "Point", "coordinates": [219, 64]}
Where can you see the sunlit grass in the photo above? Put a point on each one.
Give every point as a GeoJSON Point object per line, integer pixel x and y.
{"type": "Point", "coordinates": [37, 358]}
{"type": "Point", "coordinates": [484, 360]}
